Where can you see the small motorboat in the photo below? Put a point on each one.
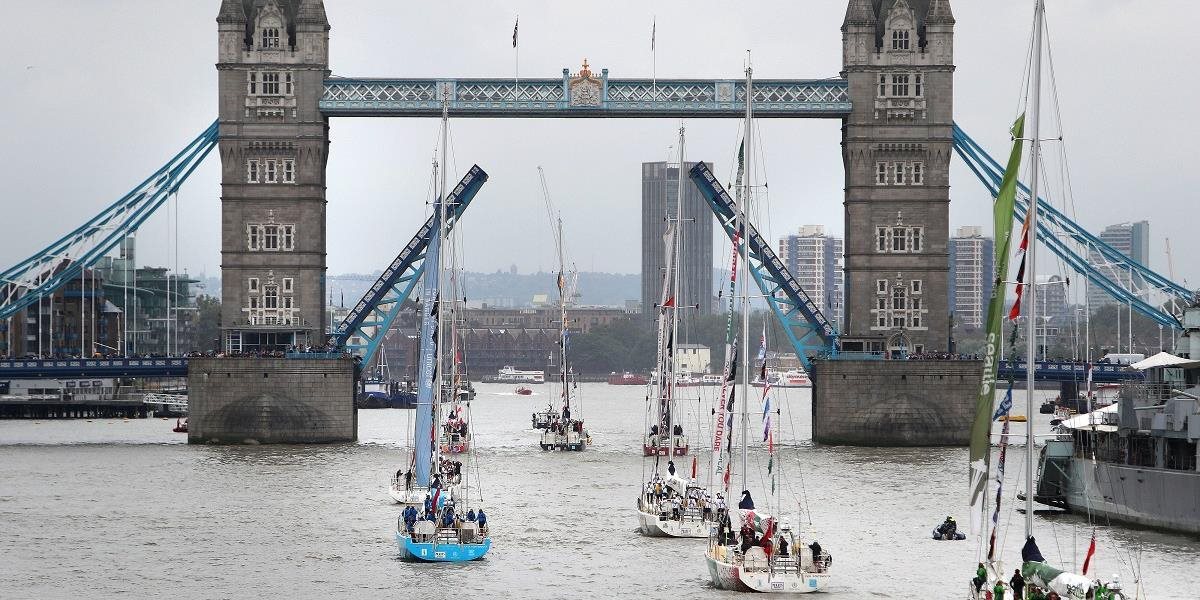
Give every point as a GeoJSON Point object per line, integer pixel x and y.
{"type": "Point", "coordinates": [524, 391]}
{"type": "Point", "coordinates": [948, 531]}
{"type": "Point", "coordinates": [958, 535]}
{"type": "Point", "coordinates": [180, 426]}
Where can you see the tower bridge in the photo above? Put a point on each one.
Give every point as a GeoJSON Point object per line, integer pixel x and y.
{"type": "Point", "coordinates": [894, 97]}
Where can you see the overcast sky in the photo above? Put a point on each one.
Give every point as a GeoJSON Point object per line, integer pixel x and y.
{"type": "Point", "coordinates": [98, 94]}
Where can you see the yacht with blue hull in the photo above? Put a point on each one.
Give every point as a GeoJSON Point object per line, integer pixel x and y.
{"type": "Point", "coordinates": [428, 543]}
{"type": "Point", "coordinates": [438, 521]}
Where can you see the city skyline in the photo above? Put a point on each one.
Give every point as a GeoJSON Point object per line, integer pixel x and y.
{"type": "Point", "coordinates": [380, 165]}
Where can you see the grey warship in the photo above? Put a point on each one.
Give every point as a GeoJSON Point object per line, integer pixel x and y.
{"type": "Point", "coordinates": [1135, 461]}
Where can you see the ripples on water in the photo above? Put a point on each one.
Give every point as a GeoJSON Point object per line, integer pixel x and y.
{"type": "Point", "coordinates": [112, 508]}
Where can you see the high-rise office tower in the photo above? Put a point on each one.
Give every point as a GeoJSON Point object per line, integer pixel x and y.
{"type": "Point", "coordinates": [972, 276]}
{"type": "Point", "coordinates": [1132, 240]}
{"type": "Point", "coordinates": [815, 260]}
{"type": "Point", "coordinates": [659, 192]}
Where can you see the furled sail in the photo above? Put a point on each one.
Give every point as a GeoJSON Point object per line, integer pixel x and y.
{"type": "Point", "coordinates": [427, 390]}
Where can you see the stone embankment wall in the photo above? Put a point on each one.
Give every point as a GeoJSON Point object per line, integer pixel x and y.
{"type": "Point", "coordinates": [894, 402]}
{"type": "Point", "coordinates": [271, 401]}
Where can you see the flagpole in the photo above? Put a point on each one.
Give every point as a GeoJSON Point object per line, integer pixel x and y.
{"type": "Point", "coordinates": [653, 57]}
{"type": "Point", "coordinates": [516, 59]}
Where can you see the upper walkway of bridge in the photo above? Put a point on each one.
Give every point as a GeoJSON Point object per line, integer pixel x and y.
{"type": "Point", "coordinates": [589, 96]}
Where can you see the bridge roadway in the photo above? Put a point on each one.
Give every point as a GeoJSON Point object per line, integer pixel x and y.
{"type": "Point", "coordinates": [177, 367]}
{"type": "Point", "coordinates": [162, 366]}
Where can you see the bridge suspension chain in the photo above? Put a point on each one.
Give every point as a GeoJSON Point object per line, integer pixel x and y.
{"type": "Point", "coordinates": [65, 259]}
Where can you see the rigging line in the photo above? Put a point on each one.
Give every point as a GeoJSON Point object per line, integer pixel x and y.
{"type": "Point", "coordinates": [1023, 95]}
{"type": "Point", "coordinates": [1064, 164]}
{"type": "Point", "coordinates": [800, 469]}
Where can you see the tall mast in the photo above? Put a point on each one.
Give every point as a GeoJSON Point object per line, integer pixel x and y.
{"type": "Point", "coordinates": [748, 145]}
{"type": "Point", "coordinates": [444, 232]}
{"type": "Point", "coordinates": [1031, 258]}
{"type": "Point", "coordinates": [562, 318]}
{"type": "Point", "coordinates": [675, 243]}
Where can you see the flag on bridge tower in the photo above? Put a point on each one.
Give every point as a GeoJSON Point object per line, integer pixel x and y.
{"type": "Point", "coordinates": [516, 24]}
{"type": "Point", "coordinates": [653, 29]}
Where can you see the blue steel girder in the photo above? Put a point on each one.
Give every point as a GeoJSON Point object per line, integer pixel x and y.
{"type": "Point", "coordinates": [596, 97]}
{"type": "Point", "coordinates": [807, 329]}
{"type": "Point", "coordinates": [990, 173]}
{"type": "Point", "coordinates": [65, 259]}
{"type": "Point", "coordinates": [374, 314]}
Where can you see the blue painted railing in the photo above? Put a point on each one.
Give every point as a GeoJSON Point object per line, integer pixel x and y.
{"type": "Point", "coordinates": [1049, 370]}
{"type": "Point", "coordinates": [97, 367]}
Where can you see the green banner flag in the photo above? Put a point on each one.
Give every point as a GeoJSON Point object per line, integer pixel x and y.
{"type": "Point", "coordinates": [981, 429]}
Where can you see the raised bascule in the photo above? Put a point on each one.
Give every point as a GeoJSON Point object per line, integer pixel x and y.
{"type": "Point", "coordinates": [276, 96]}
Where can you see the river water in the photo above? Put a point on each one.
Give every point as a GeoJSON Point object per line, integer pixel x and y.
{"type": "Point", "coordinates": [112, 508]}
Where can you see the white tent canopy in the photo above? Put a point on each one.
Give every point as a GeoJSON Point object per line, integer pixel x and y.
{"type": "Point", "coordinates": [1164, 359]}
{"type": "Point", "coordinates": [1096, 418]}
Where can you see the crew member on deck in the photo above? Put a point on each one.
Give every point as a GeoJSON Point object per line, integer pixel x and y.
{"type": "Point", "coordinates": [748, 537]}
{"type": "Point", "coordinates": [747, 502]}
{"type": "Point", "coordinates": [818, 561]}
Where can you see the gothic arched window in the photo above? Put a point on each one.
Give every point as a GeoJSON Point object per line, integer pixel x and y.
{"type": "Point", "coordinates": [270, 37]}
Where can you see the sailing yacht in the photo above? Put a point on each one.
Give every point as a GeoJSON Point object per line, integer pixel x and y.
{"type": "Point", "coordinates": [565, 429]}
{"type": "Point", "coordinates": [455, 430]}
{"type": "Point", "coordinates": [1035, 570]}
{"type": "Point", "coordinates": [666, 435]}
{"type": "Point", "coordinates": [670, 505]}
{"type": "Point", "coordinates": [438, 523]}
{"type": "Point", "coordinates": [751, 550]}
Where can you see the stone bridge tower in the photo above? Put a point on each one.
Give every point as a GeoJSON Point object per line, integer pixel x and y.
{"type": "Point", "coordinates": [274, 142]}
{"type": "Point", "coordinates": [899, 61]}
